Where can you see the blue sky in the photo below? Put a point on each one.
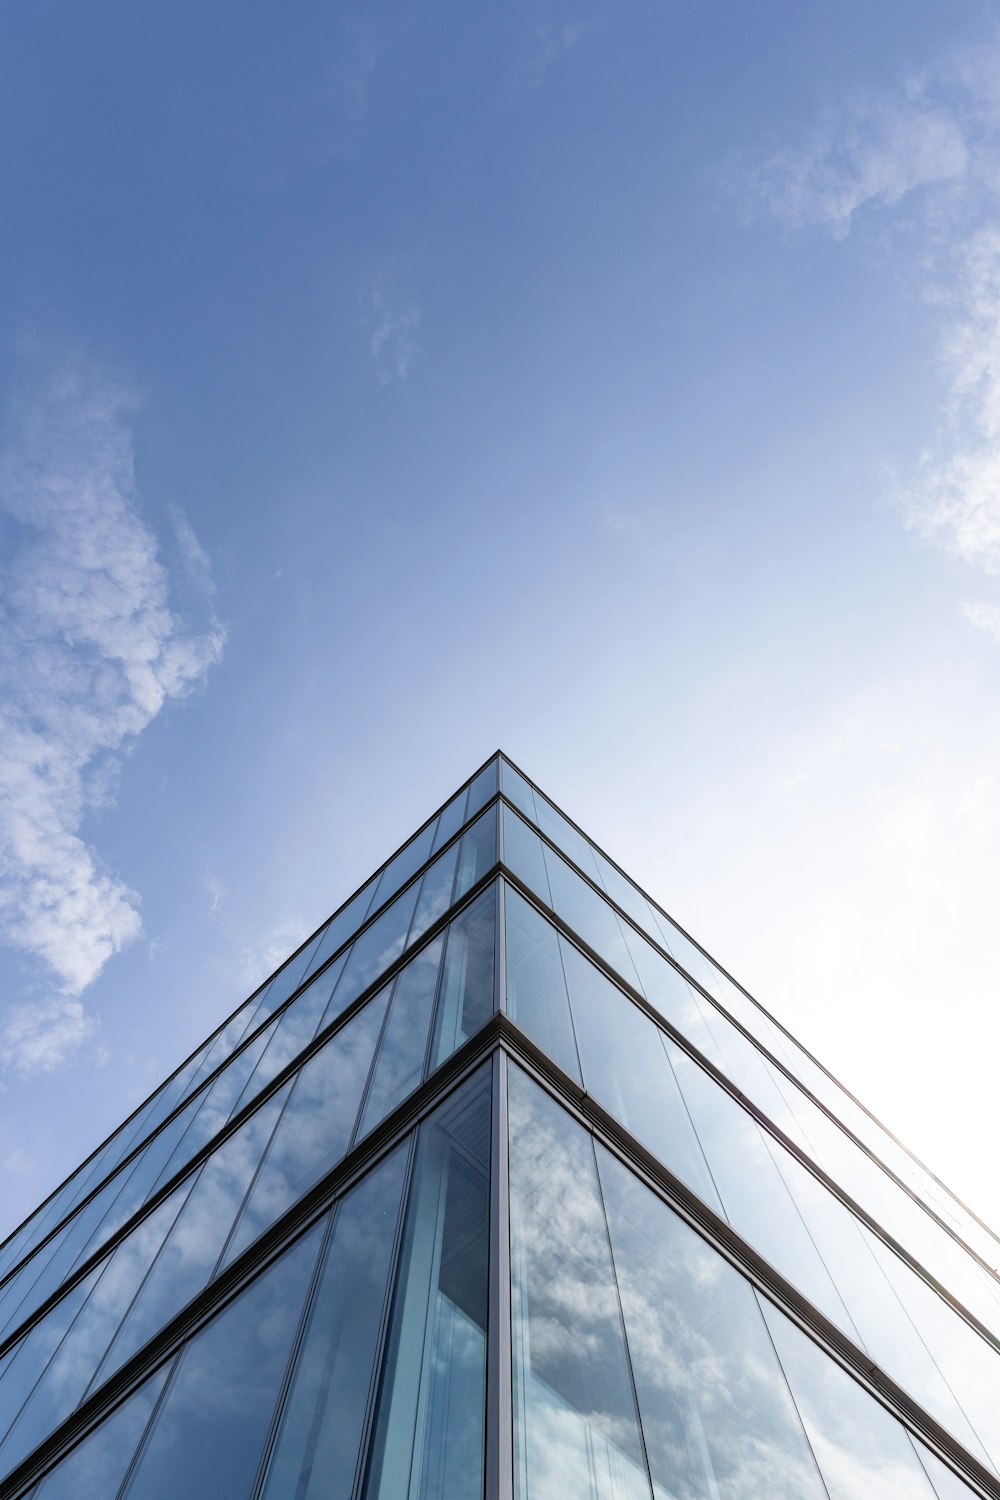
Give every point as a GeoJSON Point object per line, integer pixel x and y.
{"type": "Point", "coordinates": [619, 384]}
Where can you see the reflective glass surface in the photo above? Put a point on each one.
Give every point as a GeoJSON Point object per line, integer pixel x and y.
{"type": "Point", "coordinates": [430, 1426]}
{"type": "Point", "coordinates": [862, 1451]}
{"type": "Point", "coordinates": [716, 1412]}
{"type": "Point", "coordinates": [317, 1447]}
{"type": "Point", "coordinates": [208, 1432]}
{"type": "Point", "coordinates": [576, 1429]}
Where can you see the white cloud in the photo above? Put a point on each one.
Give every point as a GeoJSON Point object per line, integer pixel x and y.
{"type": "Point", "coordinates": [392, 331]}
{"type": "Point", "coordinates": [985, 617]}
{"type": "Point", "coordinates": [941, 134]}
{"type": "Point", "coordinates": [90, 651]}
{"type": "Point", "coordinates": [872, 153]}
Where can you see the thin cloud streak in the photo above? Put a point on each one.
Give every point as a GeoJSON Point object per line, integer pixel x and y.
{"type": "Point", "coordinates": [392, 331]}
{"type": "Point", "coordinates": [90, 652]}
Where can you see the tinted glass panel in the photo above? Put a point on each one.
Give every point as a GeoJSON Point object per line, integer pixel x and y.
{"type": "Point", "coordinates": [315, 1130]}
{"type": "Point", "coordinates": [317, 1449]}
{"type": "Point", "coordinates": [466, 996]}
{"type": "Point", "coordinates": [98, 1466]}
{"type": "Point", "coordinates": [536, 985]}
{"type": "Point", "coordinates": [716, 1414]}
{"type": "Point", "coordinates": [209, 1432]}
{"type": "Point", "coordinates": [400, 1064]}
{"type": "Point", "coordinates": [431, 1418]}
{"type": "Point", "coordinates": [862, 1451]}
{"type": "Point", "coordinates": [576, 1431]}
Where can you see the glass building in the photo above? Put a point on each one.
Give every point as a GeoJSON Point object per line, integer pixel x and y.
{"type": "Point", "coordinates": [500, 1187]}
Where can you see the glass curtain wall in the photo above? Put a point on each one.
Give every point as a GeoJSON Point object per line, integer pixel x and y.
{"type": "Point", "coordinates": [354, 1364]}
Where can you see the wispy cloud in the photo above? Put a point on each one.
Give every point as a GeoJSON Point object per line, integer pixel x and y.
{"type": "Point", "coordinates": [90, 651]}
{"type": "Point", "coordinates": [391, 325]}
{"type": "Point", "coordinates": [924, 163]}
{"type": "Point", "coordinates": [871, 153]}
{"type": "Point", "coordinates": [550, 41]}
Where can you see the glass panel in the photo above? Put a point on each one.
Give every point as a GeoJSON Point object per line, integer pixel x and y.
{"type": "Point", "coordinates": [467, 983]}
{"type": "Point", "coordinates": [450, 820]}
{"type": "Point", "coordinates": [430, 1425]}
{"type": "Point", "coordinates": [317, 1448]}
{"type": "Point", "coordinates": [343, 925]}
{"type": "Point", "coordinates": [315, 1130]}
{"type": "Point", "coordinates": [863, 1453]}
{"type": "Point", "coordinates": [406, 863]}
{"type": "Point", "coordinates": [589, 915]}
{"type": "Point", "coordinates": [110, 1288]}
{"type": "Point", "coordinates": [947, 1485]}
{"type": "Point", "coordinates": [98, 1466]}
{"type": "Point", "coordinates": [188, 1259]}
{"type": "Point", "coordinates": [482, 789]}
{"type": "Point", "coordinates": [514, 786]}
{"type": "Point", "coordinates": [435, 893]}
{"type": "Point", "coordinates": [627, 1070]}
{"type": "Point", "coordinates": [29, 1360]}
{"type": "Point", "coordinates": [400, 1064]}
{"type": "Point", "coordinates": [377, 947]}
{"type": "Point", "coordinates": [536, 985]}
{"type": "Point", "coordinates": [715, 1409]}
{"type": "Point", "coordinates": [293, 1030]}
{"type": "Point", "coordinates": [522, 853]}
{"type": "Point", "coordinates": [753, 1192]}
{"type": "Point", "coordinates": [209, 1433]}
{"type": "Point", "coordinates": [565, 836]}
{"type": "Point", "coordinates": [478, 852]}
{"type": "Point", "coordinates": [576, 1431]}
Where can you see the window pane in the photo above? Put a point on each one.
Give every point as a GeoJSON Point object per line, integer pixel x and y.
{"type": "Point", "coordinates": [100, 1463]}
{"type": "Point", "coordinates": [482, 789]}
{"type": "Point", "coordinates": [450, 820]}
{"type": "Point", "coordinates": [27, 1362]}
{"type": "Point", "coordinates": [467, 983]}
{"type": "Point", "coordinates": [430, 1426]}
{"type": "Point", "coordinates": [188, 1259]}
{"type": "Point", "coordinates": [373, 952]}
{"type": "Point", "coordinates": [315, 1130]}
{"type": "Point", "coordinates": [209, 1433]}
{"type": "Point", "coordinates": [536, 985]}
{"type": "Point", "coordinates": [627, 1070]}
{"type": "Point", "coordinates": [522, 853]}
{"type": "Point", "coordinates": [435, 893]}
{"type": "Point", "coordinates": [576, 1431]}
{"type": "Point", "coordinates": [316, 1451]}
{"type": "Point", "coordinates": [477, 853]}
{"type": "Point", "coordinates": [400, 1064]}
{"type": "Point", "coordinates": [947, 1485]}
{"type": "Point", "coordinates": [517, 790]}
{"type": "Point", "coordinates": [715, 1409]}
{"type": "Point", "coordinates": [862, 1451]}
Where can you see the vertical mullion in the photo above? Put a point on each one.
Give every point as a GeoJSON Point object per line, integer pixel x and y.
{"type": "Point", "coordinates": [499, 1408]}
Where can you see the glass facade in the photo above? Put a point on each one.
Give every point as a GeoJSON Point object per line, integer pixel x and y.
{"type": "Point", "coordinates": [500, 1187]}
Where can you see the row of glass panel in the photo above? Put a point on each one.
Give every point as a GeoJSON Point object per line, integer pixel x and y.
{"type": "Point", "coordinates": [367, 1067]}
{"type": "Point", "coordinates": [642, 966]}
{"type": "Point", "coordinates": [702, 1134]}
{"type": "Point", "coordinates": [297, 1388]}
{"type": "Point", "coordinates": [588, 858]}
{"type": "Point", "coordinates": [644, 1366]}
{"type": "Point", "coordinates": [382, 886]}
{"type": "Point", "coordinates": [271, 1044]}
